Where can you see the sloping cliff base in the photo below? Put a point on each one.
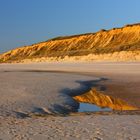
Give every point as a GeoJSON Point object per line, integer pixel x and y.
{"type": "Point", "coordinates": [123, 56]}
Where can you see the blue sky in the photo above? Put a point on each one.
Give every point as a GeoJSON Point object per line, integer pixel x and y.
{"type": "Point", "coordinates": [24, 22]}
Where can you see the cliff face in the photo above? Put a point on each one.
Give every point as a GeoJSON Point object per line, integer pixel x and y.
{"type": "Point", "coordinates": [102, 42]}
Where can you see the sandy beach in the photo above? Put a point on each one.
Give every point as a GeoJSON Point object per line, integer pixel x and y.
{"type": "Point", "coordinates": [34, 97]}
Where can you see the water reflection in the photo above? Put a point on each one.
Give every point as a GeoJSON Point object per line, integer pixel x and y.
{"type": "Point", "coordinates": [103, 101]}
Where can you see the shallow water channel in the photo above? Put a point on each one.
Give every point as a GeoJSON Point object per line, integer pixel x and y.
{"type": "Point", "coordinates": [85, 107]}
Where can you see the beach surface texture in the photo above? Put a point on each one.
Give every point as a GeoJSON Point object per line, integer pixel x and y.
{"type": "Point", "coordinates": [37, 101]}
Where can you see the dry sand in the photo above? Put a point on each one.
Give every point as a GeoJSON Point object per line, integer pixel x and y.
{"type": "Point", "coordinates": [91, 127]}
{"type": "Point", "coordinates": [32, 89]}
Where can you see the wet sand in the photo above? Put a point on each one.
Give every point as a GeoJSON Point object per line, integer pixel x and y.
{"type": "Point", "coordinates": [47, 87]}
{"type": "Point", "coordinates": [117, 79]}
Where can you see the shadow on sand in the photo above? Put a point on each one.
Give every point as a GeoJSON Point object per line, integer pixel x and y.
{"type": "Point", "coordinates": [72, 105]}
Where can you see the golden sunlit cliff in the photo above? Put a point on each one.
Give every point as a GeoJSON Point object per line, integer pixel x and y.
{"type": "Point", "coordinates": [115, 44]}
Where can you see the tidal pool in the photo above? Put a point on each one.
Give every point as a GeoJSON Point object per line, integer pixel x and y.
{"type": "Point", "coordinates": [85, 107]}
{"type": "Point", "coordinates": [97, 100]}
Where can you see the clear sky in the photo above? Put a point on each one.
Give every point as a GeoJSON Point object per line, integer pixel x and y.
{"type": "Point", "coordinates": [24, 22]}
